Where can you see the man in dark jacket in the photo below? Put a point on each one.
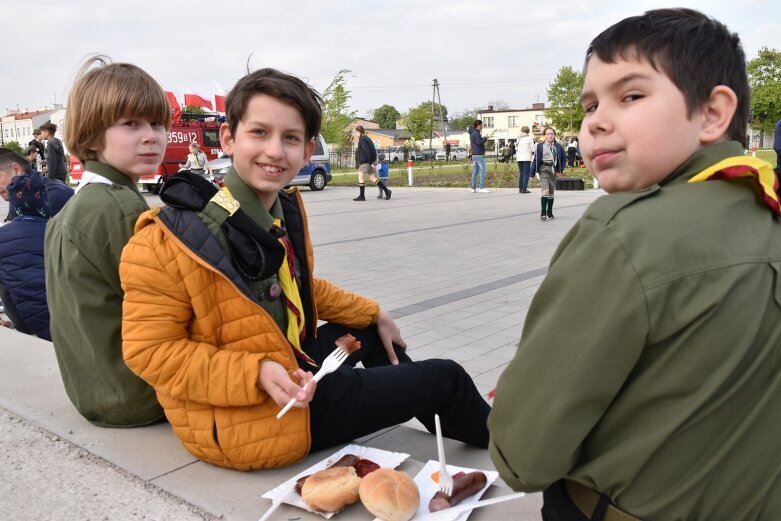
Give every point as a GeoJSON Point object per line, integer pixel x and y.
{"type": "Point", "coordinates": [367, 158]}
{"type": "Point", "coordinates": [477, 147]}
{"type": "Point", "coordinates": [55, 153]}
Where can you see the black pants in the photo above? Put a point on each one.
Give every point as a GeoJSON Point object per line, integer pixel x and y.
{"type": "Point", "coordinates": [353, 402]}
{"type": "Point", "coordinates": [558, 505]}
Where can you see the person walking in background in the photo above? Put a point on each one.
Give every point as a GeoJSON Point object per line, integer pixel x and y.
{"type": "Point", "coordinates": [31, 155]}
{"type": "Point", "coordinates": [55, 153]}
{"type": "Point", "coordinates": [549, 163]}
{"type": "Point", "coordinates": [196, 161]}
{"type": "Point", "coordinates": [477, 147]}
{"type": "Point", "coordinates": [572, 152]}
{"type": "Point", "coordinates": [382, 172]}
{"type": "Point", "coordinates": [367, 158]}
{"type": "Point", "coordinates": [524, 157]}
{"type": "Point", "coordinates": [37, 142]}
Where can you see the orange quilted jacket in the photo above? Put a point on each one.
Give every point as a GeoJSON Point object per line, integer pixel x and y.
{"type": "Point", "coordinates": [198, 340]}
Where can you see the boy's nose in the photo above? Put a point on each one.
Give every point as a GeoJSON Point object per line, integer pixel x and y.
{"type": "Point", "coordinates": [149, 132]}
{"type": "Point", "coordinates": [598, 121]}
{"type": "Point", "coordinates": [274, 147]}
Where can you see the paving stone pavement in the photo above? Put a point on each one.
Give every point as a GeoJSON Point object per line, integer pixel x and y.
{"type": "Point", "coordinates": [457, 271]}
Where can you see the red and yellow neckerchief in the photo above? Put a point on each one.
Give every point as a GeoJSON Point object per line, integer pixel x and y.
{"type": "Point", "coordinates": [746, 166]}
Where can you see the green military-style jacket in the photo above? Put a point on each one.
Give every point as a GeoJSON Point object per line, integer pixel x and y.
{"type": "Point", "coordinates": [650, 363]}
{"type": "Point", "coordinates": [82, 248]}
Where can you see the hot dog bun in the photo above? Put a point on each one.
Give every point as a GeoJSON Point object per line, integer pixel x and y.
{"type": "Point", "coordinates": [332, 489]}
{"type": "Point", "coordinates": [390, 495]}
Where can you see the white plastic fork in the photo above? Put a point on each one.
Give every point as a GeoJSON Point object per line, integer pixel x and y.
{"type": "Point", "coordinates": [445, 479]}
{"type": "Point", "coordinates": [330, 364]}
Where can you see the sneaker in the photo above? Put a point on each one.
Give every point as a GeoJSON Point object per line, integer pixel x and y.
{"type": "Point", "coordinates": [359, 198]}
{"type": "Point", "coordinates": [388, 193]}
{"type": "Point", "coordinates": [472, 190]}
{"type": "Point", "coordinates": [380, 196]}
{"type": "Point", "coordinates": [550, 216]}
{"type": "Point", "coordinates": [484, 191]}
{"type": "Point", "coordinates": [543, 217]}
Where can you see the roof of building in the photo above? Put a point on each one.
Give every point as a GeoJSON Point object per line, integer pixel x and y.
{"type": "Point", "coordinates": [394, 133]}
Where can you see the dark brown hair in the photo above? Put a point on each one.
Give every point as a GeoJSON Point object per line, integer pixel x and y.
{"type": "Point", "coordinates": [284, 87]}
{"type": "Point", "coordinates": [695, 51]}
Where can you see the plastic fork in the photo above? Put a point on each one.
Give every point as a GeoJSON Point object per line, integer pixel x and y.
{"type": "Point", "coordinates": [330, 365]}
{"type": "Point", "coordinates": [445, 479]}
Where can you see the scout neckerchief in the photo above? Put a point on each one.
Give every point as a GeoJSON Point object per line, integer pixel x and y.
{"type": "Point", "coordinates": [295, 309]}
{"type": "Point", "coordinates": [255, 251]}
{"type": "Point", "coordinates": [746, 166]}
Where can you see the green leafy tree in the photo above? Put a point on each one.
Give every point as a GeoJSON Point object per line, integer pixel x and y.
{"type": "Point", "coordinates": [193, 109]}
{"type": "Point", "coordinates": [418, 122]}
{"type": "Point", "coordinates": [336, 112]}
{"type": "Point", "coordinates": [439, 110]}
{"type": "Point", "coordinates": [764, 77]}
{"type": "Point", "coordinates": [462, 120]}
{"type": "Point", "coordinates": [566, 113]}
{"type": "Point", "coordinates": [15, 146]}
{"type": "Point", "coordinates": [386, 116]}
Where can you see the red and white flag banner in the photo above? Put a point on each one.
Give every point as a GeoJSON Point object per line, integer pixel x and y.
{"type": "Point", "coordinates": [193, 99]}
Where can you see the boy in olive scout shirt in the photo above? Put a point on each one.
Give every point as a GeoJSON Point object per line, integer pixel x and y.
{"type": "Point", "coordinates": [659, 397]}
{"type": "Point", "coordinates": [116, 126]}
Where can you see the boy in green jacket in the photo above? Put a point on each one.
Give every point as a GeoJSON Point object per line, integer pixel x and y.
{"type": "Point", "coordinates": [117, 121]}
{"type": "Point", "coordinates": [647, 381]}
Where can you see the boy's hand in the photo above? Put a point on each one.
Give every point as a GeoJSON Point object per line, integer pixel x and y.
{"type": "Point", "coordinates": [273, 379]}
{"type": "Point", "coordinates": [390, 335]}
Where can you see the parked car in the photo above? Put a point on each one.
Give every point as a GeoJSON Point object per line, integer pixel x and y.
{"type": "Point", "coordinates": [316, 174]}
{"type": "Point", "coordinates": [423, 155]}
{"type": "Point", "coordinates": [395, 154]}
{"type": "Point", "coordinates": [456, 153]}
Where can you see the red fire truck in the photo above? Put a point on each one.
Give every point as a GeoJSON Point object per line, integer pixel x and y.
{"type": "Point", "coordinates": [189, 130]}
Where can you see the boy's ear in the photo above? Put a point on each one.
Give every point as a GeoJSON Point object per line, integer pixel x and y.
{"type": "Point", "coordinates": [309, 150]}
{"type": "Point", "coordinates": [717, 113]}
{"type": "Point", "coordinates": [226, 139]}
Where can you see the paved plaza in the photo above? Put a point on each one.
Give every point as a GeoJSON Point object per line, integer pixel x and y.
{"type": "Point", "coordinates": [456, 270]}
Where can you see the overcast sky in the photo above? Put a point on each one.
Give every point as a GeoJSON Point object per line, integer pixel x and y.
{"type": "Point", "coordinates": [479, 50]}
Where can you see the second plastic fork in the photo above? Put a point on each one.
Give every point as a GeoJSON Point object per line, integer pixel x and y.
{"type": "Point", "coordinates": [445, 479]}
{"type": "Point", "coordinates": [330, 365]}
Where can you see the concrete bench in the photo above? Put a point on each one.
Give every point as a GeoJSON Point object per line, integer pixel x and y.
{"type": "Point", "coordinates": [31, 388]}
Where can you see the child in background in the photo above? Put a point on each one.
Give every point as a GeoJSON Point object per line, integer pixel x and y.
{"type": "Point", "coordinates": [117, 122]}
{"type": "Point", "coordinates": [382, 173]}
{"type": "Point", "coordinates": [660, 397]}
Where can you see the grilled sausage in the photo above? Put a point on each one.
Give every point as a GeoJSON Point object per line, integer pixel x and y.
{"type": "Point", "coordinates": [464, 485]}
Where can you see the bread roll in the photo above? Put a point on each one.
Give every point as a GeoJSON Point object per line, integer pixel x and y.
{"type": "Point", "coordinates": [331, 490]}
{"type": "Point", "coordinates": [390, 495]}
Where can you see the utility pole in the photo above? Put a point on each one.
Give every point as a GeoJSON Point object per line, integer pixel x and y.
{"type": "Point", "coordinates": [436, 97]}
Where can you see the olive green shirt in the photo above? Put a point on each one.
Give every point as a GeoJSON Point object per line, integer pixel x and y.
{"type": "Point", "coordinates": [213, 216]}
{"type": "Point", "coordinates": [82, 247]}
{"type": "Point", "coordinates": [650, 363]}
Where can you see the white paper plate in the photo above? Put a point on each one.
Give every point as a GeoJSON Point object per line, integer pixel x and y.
{"type": "Point", "coordinates": [428, 488]}
{"type": "Point", "coordinates": [383, 458]}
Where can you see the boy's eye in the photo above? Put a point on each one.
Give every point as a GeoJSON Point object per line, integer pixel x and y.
{"type": "Point", "coordinates": [130, 123]}
{"type": "Point", "coordinates": [632, 97]}
{"type": "Point", "coordinates": [258, 132]}
{"type": "Point", "coordinates": [591, 107]}
{"type": "Point", "coordinates": [294, 138]}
